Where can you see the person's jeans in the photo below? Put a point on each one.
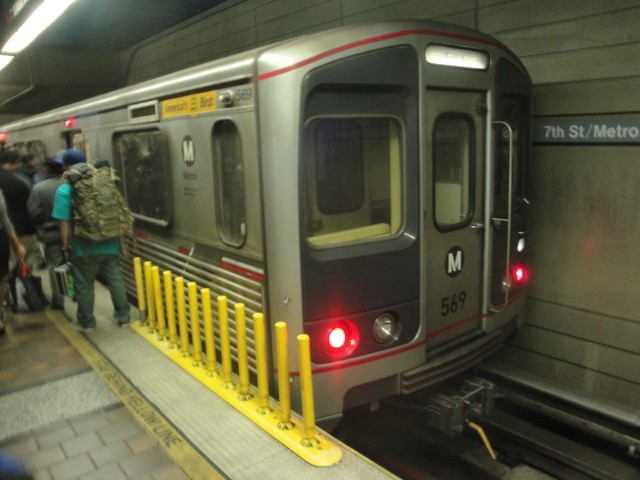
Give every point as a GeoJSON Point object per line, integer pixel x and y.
{"type": "Point", "coordinates": [85, 269]}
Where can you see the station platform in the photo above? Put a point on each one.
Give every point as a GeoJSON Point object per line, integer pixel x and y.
{"type": "Point", "coordinates": [107, 404]}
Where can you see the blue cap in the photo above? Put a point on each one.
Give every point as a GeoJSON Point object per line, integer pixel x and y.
{"type": "Point", "coordinates": [69, 157]}
{"type": "Point", "coordinates": [58, 157]}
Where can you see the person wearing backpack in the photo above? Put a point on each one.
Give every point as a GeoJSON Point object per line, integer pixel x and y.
{"type": "Point", "coordinates": [90, 256]}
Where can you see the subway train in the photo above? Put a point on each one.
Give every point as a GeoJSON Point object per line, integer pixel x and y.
{"type": "Point", "coordinates": [367, 185]}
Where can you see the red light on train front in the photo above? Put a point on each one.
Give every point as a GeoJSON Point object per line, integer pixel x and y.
{"type": "Point", "coordinates": [519, 274]}
{"type": "Point", "coordinates": [70, 122]}
{"type": "Point", "coordinates": [341, 339]}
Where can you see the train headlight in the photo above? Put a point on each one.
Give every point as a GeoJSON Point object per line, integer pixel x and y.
{"type": "Point", "coordinates": [385, 328]}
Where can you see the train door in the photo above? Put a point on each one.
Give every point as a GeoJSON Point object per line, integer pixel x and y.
{"type": "Point", "coordinates": [453, 195]}
{"type": "Point", "coordinates": [510, 152]}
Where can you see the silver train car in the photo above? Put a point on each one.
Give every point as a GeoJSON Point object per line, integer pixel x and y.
{"type": "Point", "coordinates": [365, 185]}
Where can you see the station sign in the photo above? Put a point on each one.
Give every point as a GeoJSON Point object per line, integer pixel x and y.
{"type": "Point", "coordinates": [586, 130]}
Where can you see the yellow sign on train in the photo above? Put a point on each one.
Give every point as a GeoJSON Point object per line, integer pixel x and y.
{"type": "Point", "coordinates": [190, 104]}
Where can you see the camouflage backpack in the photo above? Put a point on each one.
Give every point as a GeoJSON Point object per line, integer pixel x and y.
{"type": "Point", "coordinates": [99, 210]}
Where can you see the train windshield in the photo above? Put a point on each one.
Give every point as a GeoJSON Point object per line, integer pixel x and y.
{"type": "Point", "coordinates": [353, 179]}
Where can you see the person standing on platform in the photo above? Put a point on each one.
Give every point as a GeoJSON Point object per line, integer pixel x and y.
{"type": "Point", "coordinates": [17, 188]}
{"type": "Point", "coordinates": [29, 167]}
{"type": "Point", "coordinates": [7, 240]}
{"type": "Point", "coordinates": [40, 205]}
{"type": "Point", "coordinates": [89, 258]}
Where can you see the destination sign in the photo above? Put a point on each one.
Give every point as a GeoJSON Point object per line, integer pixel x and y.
{"type": "Point", "coordinates": [596, 130]}
{"type": "Point", "coordinates": [190, 104]}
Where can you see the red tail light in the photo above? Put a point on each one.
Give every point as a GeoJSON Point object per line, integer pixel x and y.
{"type": "Point", "coordinates": [342, 339]}
{"type": "Point", "coordinates": [519, 274]}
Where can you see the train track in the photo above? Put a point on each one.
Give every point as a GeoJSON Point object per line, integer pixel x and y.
{"type": "Point", "coordinates": [523, 430]}
{"type": "Point", "coordinates": [568, 442]}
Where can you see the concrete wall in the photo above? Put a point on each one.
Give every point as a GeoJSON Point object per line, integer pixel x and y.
{"type": "Point", "coordinates": [584, 58]}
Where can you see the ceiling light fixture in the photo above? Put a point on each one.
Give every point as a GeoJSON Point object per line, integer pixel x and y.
{"type": "Point", "coordinates": [38, 21]}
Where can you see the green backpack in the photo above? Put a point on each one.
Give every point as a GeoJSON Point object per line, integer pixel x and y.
{"type": "Point", "coordinates": [99, 210]}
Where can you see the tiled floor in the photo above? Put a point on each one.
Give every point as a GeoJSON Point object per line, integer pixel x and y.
{"type": "Point", "coordinates": [106, 443]}
{"type": "Point", "coordinates": [33, 352]}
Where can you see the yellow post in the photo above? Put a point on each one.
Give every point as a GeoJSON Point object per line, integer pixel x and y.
{"type": "Point", "coordinates": [205, 295]}
{"type": "Point", "coordinates": [195, 324]}
{"type": "Point", "coordinates": [261, 363]}
{"type": "Point", "coordinates": [182, 317]}
{"type": "Point", "coordinates": [157, 293]}
{"type": "Point", "coordinates": [225, 342]}
{"type": "Point", "coordinates": [171, 315]}
{"type": "Point", "coordinates": [282, 362]}
{"type": "Point", "coordinates": [142, 304]}
{"type": "Point", "coordinates": [243, 362]}
{"type": "Point", "coordinates": [306, 389]}
{"type": "Point", "coordinates": [149, 291]}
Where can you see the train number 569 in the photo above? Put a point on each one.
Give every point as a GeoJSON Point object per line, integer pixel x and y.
{"type": "Point", "coordinates": [453, 303]}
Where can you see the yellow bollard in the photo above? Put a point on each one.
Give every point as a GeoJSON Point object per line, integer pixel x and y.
{"type": "Point", "coordinates": [243, 362]}
{"type": "Point", "coordinates": [225, 342]}
{"type": "Point", "coordinates": [171, 315]}
{"type": "Point", "coordinates": [261, 363]}
{"type": "Point", "coordinates": [142, 304]}
{"type": "Point", "coordinates": [157, 293]}
{"type": "Point", "coordinates": [205, 295]}
{"type": "Point", "coordinates": [149, 291]}
{"type": "Point", "coordinates": [306, 389]}
{"type": "Point", "coordinates": [195, 324]}
{"type": "Point", "coordinates": [182, 317]}
{"type": "Point", "coordinates": [282, 362]}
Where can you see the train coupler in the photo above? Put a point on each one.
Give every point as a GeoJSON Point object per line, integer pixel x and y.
{"type": "Point", "coordinates": [449, 413]}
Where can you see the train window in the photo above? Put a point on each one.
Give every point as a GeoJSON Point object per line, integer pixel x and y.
{"type": "Point", "coordinates": [339, 166]}
{"type": "Point", "coordinates": [512, 107]}
{"type": "Point", "coordinates": [145, 174]}
{"type": "Point", "coordinates": [230, 207]}
{"type": "Point", "coordinates": [20, 148]}
{"type": "Point", "coordinates": [353, 179]}
{"type": "Point", "coordinates": [36, 148]}
{"type": "Point", "coordinates": [452, 145]}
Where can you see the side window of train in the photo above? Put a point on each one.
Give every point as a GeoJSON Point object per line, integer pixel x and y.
{"type": "Point", "coordinates": [353, 179]}
{"type": "Point", "coordinates": [452, 167]}
{"type": "Point", "coordinates": [512, 107]}
{"type": "Point", "coordinates": [20, 148]}
{"type": "Point", "coordinates": [229, 182]}
{"type": "Point", "coordinates": [37, 148]}
{"type": "Point", "coordinates": [143, 164]}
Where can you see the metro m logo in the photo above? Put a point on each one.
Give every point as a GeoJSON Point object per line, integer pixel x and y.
{"type": "Point", "coordinates": [454, 261]}
{"type": "Point", "coordinates": [188, 151]}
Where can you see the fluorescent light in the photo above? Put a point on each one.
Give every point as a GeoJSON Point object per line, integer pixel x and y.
{"type": "Point", "coordinates": [4, 60]}
{"type": "Point", "coordinates": [457, 57]}
{"type": "Point", "coordinates": [37, 22]}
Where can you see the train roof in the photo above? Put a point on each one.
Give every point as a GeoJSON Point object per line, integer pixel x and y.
{"type": "Point", "coordinates": [283, 56]}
